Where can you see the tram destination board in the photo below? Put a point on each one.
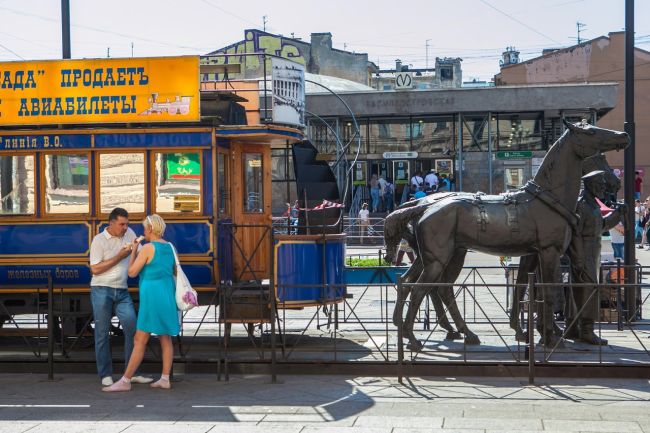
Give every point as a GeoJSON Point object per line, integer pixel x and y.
{"type": "Point", "coordinates": [514, 154]}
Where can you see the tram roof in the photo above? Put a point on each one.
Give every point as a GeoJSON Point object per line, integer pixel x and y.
{"type": "Point", "coordinates": [551, 98]}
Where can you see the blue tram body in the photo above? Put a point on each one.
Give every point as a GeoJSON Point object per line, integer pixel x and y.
{"type": "Point", "coordinates": [44, 241]}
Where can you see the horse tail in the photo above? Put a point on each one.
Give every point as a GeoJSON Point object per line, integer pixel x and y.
{"type": "Point", "coordinates": [396, 227]}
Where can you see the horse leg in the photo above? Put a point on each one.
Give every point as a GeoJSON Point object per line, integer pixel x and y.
{"type": "Point", "coordinates": [410, 276]}
{"type": "Point", "coordinates": [431, 274]}
{"type": "Point", "coordinates": [549, 260]}
{"type": "Point", "coordinates": [527, 264]}
{"type": "Point", "coordinates": [441, 315]}
{"type": "Point", "coordinates": [446, 293]}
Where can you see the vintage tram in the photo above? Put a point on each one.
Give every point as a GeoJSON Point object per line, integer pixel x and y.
{"type": "Point", "coordinates": [210, 180]}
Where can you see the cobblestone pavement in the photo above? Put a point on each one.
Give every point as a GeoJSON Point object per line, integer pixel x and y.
{"type": "Point", "coordinates": [200, 403]}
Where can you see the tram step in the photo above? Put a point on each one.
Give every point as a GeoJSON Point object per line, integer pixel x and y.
{"type": "Point", "coordinates": [245, 306]}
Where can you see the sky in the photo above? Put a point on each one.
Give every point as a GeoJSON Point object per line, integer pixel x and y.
{"type": "Point", "coordinates": [475, 30]}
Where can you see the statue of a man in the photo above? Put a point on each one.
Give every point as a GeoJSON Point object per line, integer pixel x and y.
{"type": "Point", "coordinates": [584, 252]}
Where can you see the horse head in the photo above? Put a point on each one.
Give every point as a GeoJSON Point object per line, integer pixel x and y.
{"type": "Point", "coordinates": [588, 140]}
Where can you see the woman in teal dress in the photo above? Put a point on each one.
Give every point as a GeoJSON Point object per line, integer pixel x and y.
{"type": "Point", "coordinates": [156, 265]}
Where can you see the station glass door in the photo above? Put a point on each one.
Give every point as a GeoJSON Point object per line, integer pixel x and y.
{"type": "Point", "coordinates": [513, 177]}
{"type": "Point", "coordinates": [401, 176]}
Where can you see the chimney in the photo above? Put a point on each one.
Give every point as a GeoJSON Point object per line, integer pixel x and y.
{"type": "Point", "coordinates": [398, 65]}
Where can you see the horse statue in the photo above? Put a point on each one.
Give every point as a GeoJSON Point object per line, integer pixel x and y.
{"type": "Point", "coordinates": [529, 264]}
{"type": "Point", "coordinates": [537, 219]}
{"type": "Point", "coordinates": [395, 230]}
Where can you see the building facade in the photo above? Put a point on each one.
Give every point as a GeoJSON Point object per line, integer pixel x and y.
{"type": "Point", "coordinates": [489, 139]}
{"type": "Point", "coordinates": [317, 56]}
{"type": "Point", "coordinates": [598, 60]}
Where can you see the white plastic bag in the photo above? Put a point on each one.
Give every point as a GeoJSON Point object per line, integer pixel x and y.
{"type": "Point", "coordinates": [186, 297]}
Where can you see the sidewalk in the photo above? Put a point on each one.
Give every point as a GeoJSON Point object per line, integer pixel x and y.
{"type": "Point", "coordinates": [199, 403]}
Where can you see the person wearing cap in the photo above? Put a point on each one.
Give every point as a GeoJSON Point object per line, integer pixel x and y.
{"type": "Point", "coordinates": [584, 252]}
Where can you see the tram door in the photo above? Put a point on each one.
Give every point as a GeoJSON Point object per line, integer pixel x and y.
{"type": "Point", "coordinates": [251, 210]}
{"type": "Point", "coordinates": [401, 178]}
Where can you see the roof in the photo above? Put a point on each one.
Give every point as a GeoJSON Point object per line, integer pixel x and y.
{"type": "Point", "coordinates": [523, 98]}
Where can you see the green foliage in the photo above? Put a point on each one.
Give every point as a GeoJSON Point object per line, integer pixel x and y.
{"type": "Point", "coordinates": [368, 262]}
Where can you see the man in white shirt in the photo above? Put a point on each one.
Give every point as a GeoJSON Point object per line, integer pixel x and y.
{"type": "Point", "coordinates": [431, 180]}
{"type": "Point", "coordinates": [109, 263]}
{"type": "Point", "coordinates": [417, 180]}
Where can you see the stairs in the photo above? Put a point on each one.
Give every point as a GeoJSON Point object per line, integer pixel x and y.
{"type": "Point", "coordinates": [315, 181]}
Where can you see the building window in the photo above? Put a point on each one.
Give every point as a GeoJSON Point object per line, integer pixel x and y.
{"type": "Point", "coordinates": [178, 182]}
{"type": "Point", "coordinates": [17, 185]}
{"type": "Point", "coordinates": [390, 135]}
{"type": "Point", "coordinates": [434, 135]}
{"type": "Point", "coordinates": [520, 131]}
{"type": "Point", "coordinates": [446, 73]}
{"type": "Point", "coordinates": [253, 183]}
{"type": "Point", "coordinates": [66, 184]}
{"type": "Point", "coordinates": [121, 182]}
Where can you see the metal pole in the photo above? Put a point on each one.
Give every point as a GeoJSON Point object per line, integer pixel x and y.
{"type": "Point", "coordinates": [531, 328]}
{"type": "Point", "coordinates": [50, 328]}
{"type": "Point", "coordinates": [489, 120]}
{"type": "Point", "coordinates": [630, 259]}
{"type": "Point", "coordinates": [274, 377]}
{"type": "Point", "coordinates": [459, 152]}
{"type": "Point", "coordinates": [65, 28]}
{"type": "Point", "coordinates": [400, 333]}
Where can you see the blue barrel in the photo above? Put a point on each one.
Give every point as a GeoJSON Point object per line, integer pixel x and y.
{"type": "Point", "coordinates": [302, 278]}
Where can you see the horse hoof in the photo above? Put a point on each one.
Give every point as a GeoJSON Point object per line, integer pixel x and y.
{"type": "Point", "coordinates": [521, 336]}
{"type": "Point", "coordinates": [552, 342]}
{"type": "Point", "coordinates": [472, 339]}
{"type": "Point", "coordinates": [414, 346]}
{"type": "Point", "coordinates": [453, 335]}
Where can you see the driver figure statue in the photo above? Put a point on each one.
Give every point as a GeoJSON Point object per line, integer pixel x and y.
{"type": "Point", "coordinates": [584, 252]}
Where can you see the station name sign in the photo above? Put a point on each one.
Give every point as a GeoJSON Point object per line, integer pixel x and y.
{"type": "Point", "coordinates": [400, 155]}
{"type": "Point", "coordinates": [135, 90]}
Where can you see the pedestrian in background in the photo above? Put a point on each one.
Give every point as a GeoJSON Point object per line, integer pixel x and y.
{"type": "Point", "coordinates": [364, 221]}
{"type": "Point", "coordinates": [374, 192]}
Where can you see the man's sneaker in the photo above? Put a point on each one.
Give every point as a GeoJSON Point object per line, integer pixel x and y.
{"type": "Point", "coordinates": [141, 379]}
{"type": "Point", "coordinates": [640, 246]}
{"type": "Point", "coordinates": [107, 381]}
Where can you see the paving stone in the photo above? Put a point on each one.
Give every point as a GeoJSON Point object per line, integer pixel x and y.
{"type": "Point", "coordinates": [593, 426]}
{"type": "Point", "coordinates": [494, 424]}
{"type": "Point", "coordinates": [397, 421]}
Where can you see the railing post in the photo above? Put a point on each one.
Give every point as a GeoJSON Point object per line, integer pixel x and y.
{"type": "Point", "coordinates": [274, 378]}
{"type": "Point", "coordinates": [531, 328]}
{"type": "Point", "coordinates": [50, 328]}
{"type": "Point", "coordinates": [400, 331]}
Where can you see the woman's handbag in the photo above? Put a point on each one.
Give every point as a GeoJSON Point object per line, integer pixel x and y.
{"type": "Point", "coordinates": [186, 297]}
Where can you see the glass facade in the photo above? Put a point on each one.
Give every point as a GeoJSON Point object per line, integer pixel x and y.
{"type": "Point", "coordinates": [519, 131]}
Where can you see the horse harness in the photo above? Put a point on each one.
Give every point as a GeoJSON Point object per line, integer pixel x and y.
{"type": "Point", "coordinates": [511, 203]}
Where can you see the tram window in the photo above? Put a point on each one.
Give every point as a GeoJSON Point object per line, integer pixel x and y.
{"type": "Point", "coordinates": [121, 182]}
{"type": "Point", "coordinates": [66, 183]}
{"type": "Point", "coordinates": [178, 182]}
{"type": "Point", "coordinates": [253, 183]}
{"type": "Point", "coordinates": [223, 179]}
{"type": "Point", "coordinates": [16, 185]}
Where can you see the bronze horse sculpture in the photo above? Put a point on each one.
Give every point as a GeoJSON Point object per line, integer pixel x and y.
{"type": "Point", "coordinates": [538, 219]}
{"type": "Point", "coordinates": [396, 229]}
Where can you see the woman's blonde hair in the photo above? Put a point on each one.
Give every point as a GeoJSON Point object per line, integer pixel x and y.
{"type": "Point", "coordinates": [156, 224]}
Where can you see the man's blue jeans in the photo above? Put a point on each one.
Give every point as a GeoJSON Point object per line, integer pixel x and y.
{"type": "Point", "coordinates": [106, 301]}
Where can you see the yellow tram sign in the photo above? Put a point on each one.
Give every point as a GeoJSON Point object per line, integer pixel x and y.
{"type": "Point", "coordinates": [162, 89]}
